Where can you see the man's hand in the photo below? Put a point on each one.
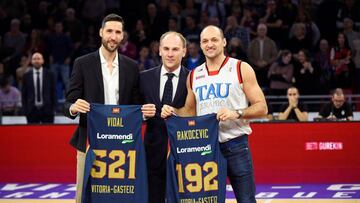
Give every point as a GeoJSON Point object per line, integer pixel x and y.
{"type": "Point", "coordinates": [167, 111]}
{"type": "Point", "coordinates": [148, 110]}
{"type": "Point", "coordinates": [80, 106]}
{"type": "Point", "coordinates": [293, 103]}
{"type": "Point", "coordinates": [226, 114]}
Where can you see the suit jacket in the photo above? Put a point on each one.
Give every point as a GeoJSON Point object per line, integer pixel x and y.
{"type": "Point", "coordinates": [269, 51]}
{"type": "Point", "coordinates": [86, 83]}
{"type": "Point", "coordinates": [48, 92]}
{"type": "Point", "coordinates": [156, 134]}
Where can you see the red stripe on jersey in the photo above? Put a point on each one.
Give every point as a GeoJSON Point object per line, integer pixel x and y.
{"type": "Point", "coordinates": [210, 73]}
{"type": "Point", "coordinates": [238, 68]}
{"type": "Point", "coordinates": [192, 78]}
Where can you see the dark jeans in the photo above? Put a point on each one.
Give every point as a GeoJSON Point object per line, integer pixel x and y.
{"type": "Point", "coordinates": [240, 168]}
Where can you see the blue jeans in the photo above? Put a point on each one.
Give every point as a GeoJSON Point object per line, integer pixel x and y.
{"type": "Point", "coordinates": [62, 70]}
{"type": "Point", "coordinates": [240, 168]}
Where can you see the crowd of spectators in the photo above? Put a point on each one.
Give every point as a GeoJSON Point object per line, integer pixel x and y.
{"type": "Point", "coordinates": [311, 45]}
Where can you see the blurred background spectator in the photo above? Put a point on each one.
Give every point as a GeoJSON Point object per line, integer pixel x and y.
{"type": "Point", "coordinates": [22, 69]}
{"type": "Point", "coordinates": [10, 97]}
{"type": "Point", "coordinates": [281, 74]}
{"type": "Point", "coordinates": [322, 59]}
{"type": "Point", "coordinates": [128, 48]}
{"type": "Point", "coordinates": [193, 56]}
{"type": "Point", "coordinates": [255, 31]}
{"type": "Point", "coordinates": [306, 74]}
{"type": "Point", "coordinates": [144, 61]}
{"type": "Point", "coordinates": [340, 56]}
{"type": "Point", "coordinates": [262, 52]}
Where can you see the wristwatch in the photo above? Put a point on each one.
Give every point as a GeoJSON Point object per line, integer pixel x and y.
{"type": "Point", "coordinates": [240, 113]}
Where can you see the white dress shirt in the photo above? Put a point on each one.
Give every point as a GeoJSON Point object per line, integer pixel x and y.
{"type": "Point", "coordinates": [110, 80]}
{"type": "Point", "coordinates": [164, 77]}
{"type": "Point", "coordinates": [40, 70]}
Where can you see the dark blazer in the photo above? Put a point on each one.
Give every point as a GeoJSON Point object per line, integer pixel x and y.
{"type": "Point", "coordinates": [155, 134]}
{"type": "Point", "coordinates": [86, 83]}
{"type": "Point", "coordinates": [48, 92]}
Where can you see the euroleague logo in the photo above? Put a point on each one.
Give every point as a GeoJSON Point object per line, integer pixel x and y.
{"type": "Point", "coordinates": [115, 110]}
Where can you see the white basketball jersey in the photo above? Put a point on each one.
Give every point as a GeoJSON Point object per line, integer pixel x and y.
{"type": "Point", "coordinates": [218, 89]}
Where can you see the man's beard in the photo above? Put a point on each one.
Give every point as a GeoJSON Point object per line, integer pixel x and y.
{"type": "Point", "coordinates": [104, 43]}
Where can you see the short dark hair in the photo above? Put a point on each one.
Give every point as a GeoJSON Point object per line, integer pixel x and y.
{"type": "Point", "coordinates": [112, 17]}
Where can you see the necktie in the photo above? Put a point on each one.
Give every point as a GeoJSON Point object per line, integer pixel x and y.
{"type": "Point", "coordinates": [38, 96]}
{"type": "Point", "coordinates": [168, 89]}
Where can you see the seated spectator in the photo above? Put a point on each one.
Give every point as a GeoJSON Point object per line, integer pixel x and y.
{"type": "Point", "coordinates": [175, 9]}
{"type": "Point", "coordinates": [236, 49]}
{"type": "Point", "coordinates": [340, 56]}
{"type": "Point", "coordinates": [34, 42]}
{"type": "Point", "coordinates": [14, 42]}
{"type": "Point", "coordinates": [10, 97]}
{"type": "Point", "coordinates": [322, 60]}
{"type": "Point", "coordinates": [233, 29]}
{"type": "Point", "coordinates": [215, 9]}
{"type": "Point", "coordinates": [139, 35]}
{"type": "Point", "coordinates": [306, 74]}
{"type": "Point", "coordinates": [299, 40]}
{"type": "Point", "coordinates": [356, 59]}
{"type": "Point", "coordinates": [127, 48]}
{"type": "Point", "coordinates": [172, 24]}
{"type": "Point", "coordinates": [281, 74]}
{"type": "Point", "coordinates": [347, 9]}
{"type": "Point", "coordinates": [144, 61]}
{"type": "Point", "coordinates": [154, 53]}
{"type": "Point", "coordinates": [191, 31]}
{"type": "Point", "coordinates": [262, 52]}
{"type": "Point", "coordinates": [190, 9]}
{"type": "Point", "coordinates": [20, 71]}
{"type": "Point", "coordinates": [293, 110]}
{"type": "Point", "coordinates": [338, 108]}
{"type": "Point", "coordinates": [154, 21]}
{"type": "Point", "coordinates": [272, 19]}
{"type": "Point", "coordinates": [249, 22]}
{"type": "Point", "coordinates": [350, 33]}
{"type": "Point", "coordinates": [312, 31]}
{"type": "Point", "coordinates": [194, 58]}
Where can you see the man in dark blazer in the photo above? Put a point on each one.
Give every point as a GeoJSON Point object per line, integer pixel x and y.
{"type": "Point", "coordinates": [38, 92]}
{"type": "Point", "coordinates": [153, 84]}
{"type": "Point", "coordinates": [104, 77]}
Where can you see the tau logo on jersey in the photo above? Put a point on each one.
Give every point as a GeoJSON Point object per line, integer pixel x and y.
{"type": "Point", "coordinates": [214, 90]}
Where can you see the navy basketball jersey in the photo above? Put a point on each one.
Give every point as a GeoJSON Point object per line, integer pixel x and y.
{"type": "Point", "coordinates": [115, 167]}
{"type": "Point", "coordinates": [196, 169]}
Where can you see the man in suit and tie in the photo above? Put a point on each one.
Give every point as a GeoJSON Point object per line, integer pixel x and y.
{"type": "Point", "coordinates": [104, 77]}
{"type": "Point", "coordinates": [164, 84]}
{"type": "Point", "coordinates": [38, 92]}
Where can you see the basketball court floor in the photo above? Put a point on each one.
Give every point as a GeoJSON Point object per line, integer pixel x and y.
{"type": "Point", "coordinates": [300, 193]}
